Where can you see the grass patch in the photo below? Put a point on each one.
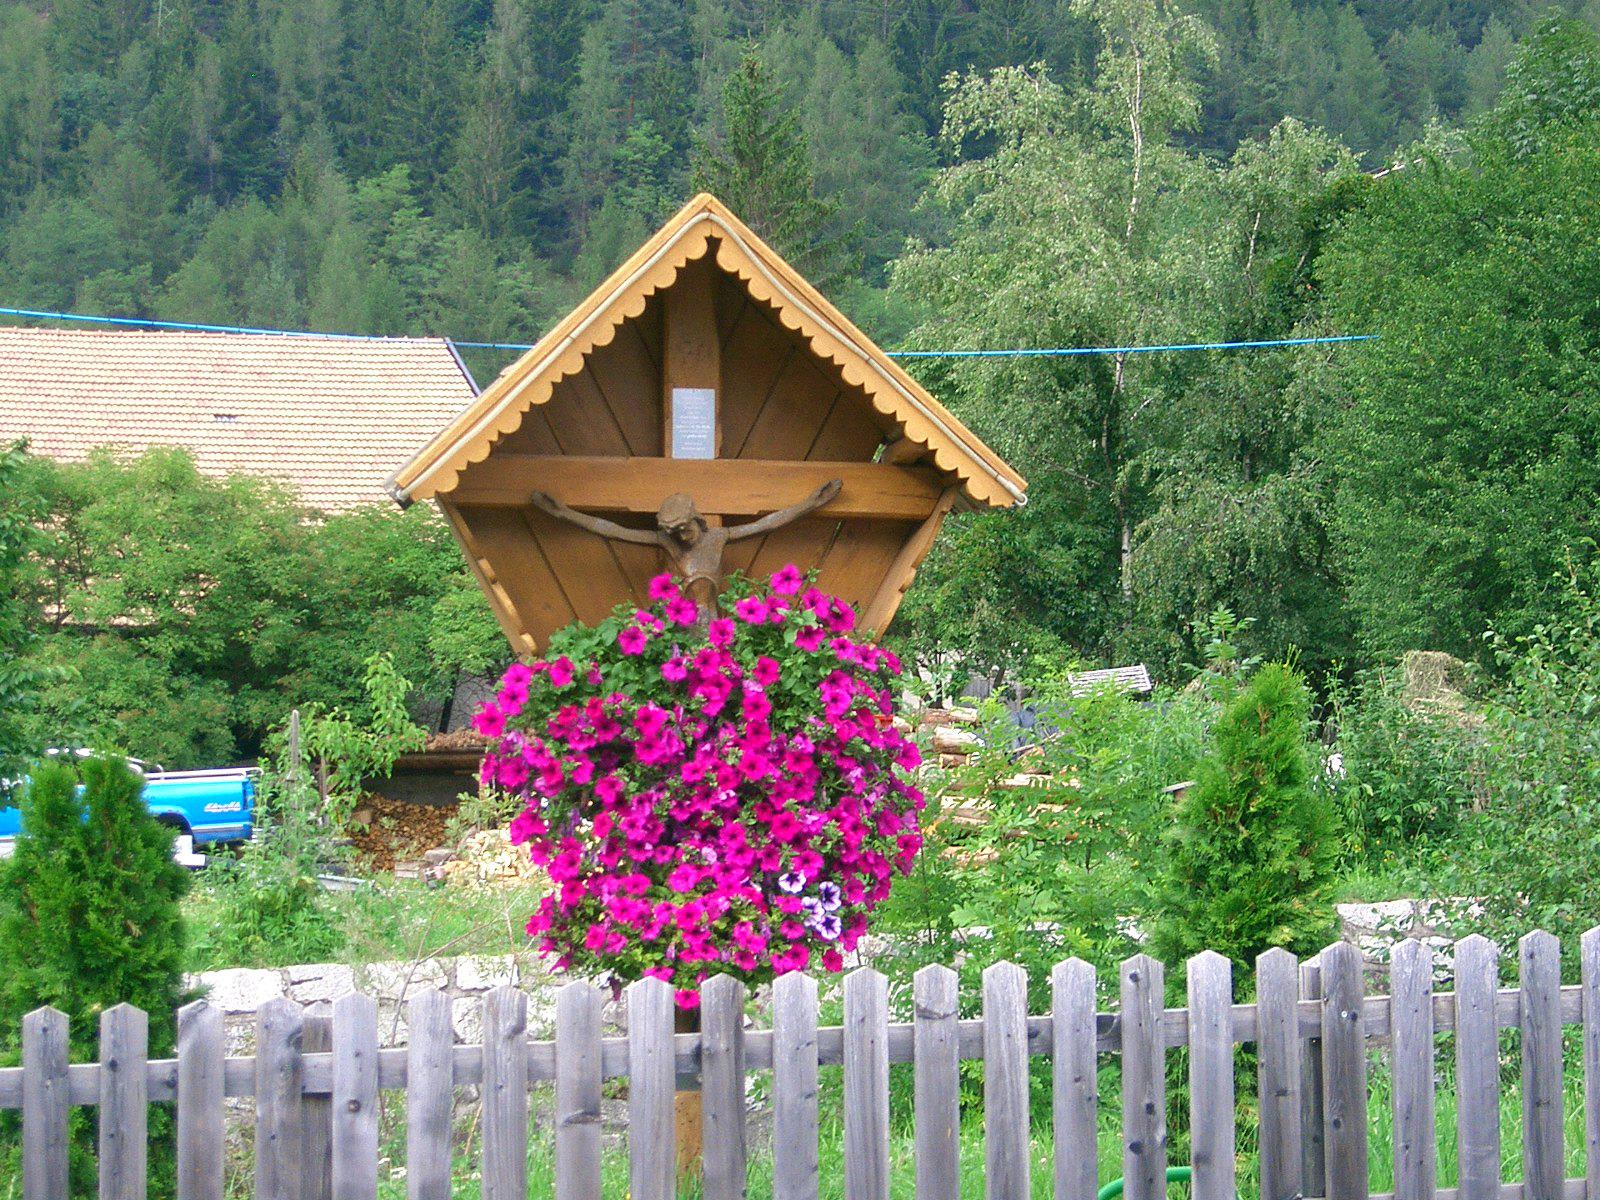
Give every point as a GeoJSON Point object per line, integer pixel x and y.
{"type": "Point", "coordinates": [390, 920]}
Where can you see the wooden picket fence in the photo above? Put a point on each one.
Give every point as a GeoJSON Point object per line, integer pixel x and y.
{"type": "Point", "coordinates": [1314, 1029]}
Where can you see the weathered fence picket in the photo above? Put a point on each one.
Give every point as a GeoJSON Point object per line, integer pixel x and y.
{"type": "Point", "coordinates": [316, 1098]}
{"type": "Point", "coordinates": [866, 1086]}
{"type": "Point", "coordinates": [1411, 1069]}
{"type": "Point", "coordinates": [652, 1150]}
{"type": "Point", "coordinates": [577, 1112]}
{"type": "Point", "coordinates": [316, 1118]}
{"type": "Point", "coordinates": [202, 1120]}
{"type": "Point", "coordinates": [505, 1095]}
{"type": "Point", "coordinates": [430, 1096]}
{"type": "Point", "coordinates": [1007, 1129]}
{"type": "Point", "coordinates": [1589, 963]}
{"type": "Point", "coordinates": [1540, 977]}
{"type": "Point", "coordinates": [1278, 1074]}
{"type": "Point", "coordinates": [795, 1103]}
{"type": "Point", "coordinates": [1313, 1120]}
{"type": "Point", "coordinates": [722, 1087]}
{"type": "Point", "coordinates": [279, 1085]}
{"type": "Point", "coordinates": [1075, 1080]}
{"type": "Point", "coordinates": [354, 1126]}
{"type": "Point", "coordinates": [44, 1105]}
{"type": "Point", "coordinates": [124, 1105]}
{"type": "Point", "coordinates": [1477, 967]}
{"type": "Point", "coordinates": [1144, 1080]}
{"type": "Point", "coordinates": [936, 1097]}
{"type": "Point", "coordinates": [1344, 1069]}
{"type": "Point", "coordinates": [1210, 983]}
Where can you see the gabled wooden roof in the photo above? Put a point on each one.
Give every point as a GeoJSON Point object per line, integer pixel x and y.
{"type": "Point", "coordinates": [704, 223]}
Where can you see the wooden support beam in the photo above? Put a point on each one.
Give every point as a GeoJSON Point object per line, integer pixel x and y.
{"type": "Point", "coordinates": [881, 610]}
{"type": "Point", "coordinates": [739, 487]}
{"type": "Point", "coordinates": [903, 452]}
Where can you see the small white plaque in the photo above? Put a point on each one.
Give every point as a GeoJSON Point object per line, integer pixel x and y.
{"type": "Point", "coordinates": [694, 422]}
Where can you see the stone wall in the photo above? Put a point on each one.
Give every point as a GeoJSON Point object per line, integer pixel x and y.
{"type": "Point", "coordinates": [239, 992]}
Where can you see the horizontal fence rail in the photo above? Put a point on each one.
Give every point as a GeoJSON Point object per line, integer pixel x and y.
{"type": "Point", "coordinates": [316, 1083]}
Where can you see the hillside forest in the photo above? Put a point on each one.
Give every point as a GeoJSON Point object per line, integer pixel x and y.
{"type": "Point", "coordinates": [1008, 173]}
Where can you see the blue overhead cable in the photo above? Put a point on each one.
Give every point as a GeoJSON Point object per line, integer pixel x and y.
{"type": "Point", "coordinates": [1068, 351]}
{"type": "Point", "coordinates": [1048, 352]}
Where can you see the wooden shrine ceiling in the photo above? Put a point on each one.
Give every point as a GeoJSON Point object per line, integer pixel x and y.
{"type": "Point", "coordinates": [800, 398]}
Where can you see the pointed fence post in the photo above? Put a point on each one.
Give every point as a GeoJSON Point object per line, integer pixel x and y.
{"type": "Point", "coordinates": [1075, 1084]}
{"type": "Point", "coordinates": [1344, 1066]}
{"type": "Point", "coordinates": [1411, 1070]}
{"type": "Point", "coordinates": [652, 1164]}
{"type": "Point", "coordinates": [794, 1088]}
{"type": "Point", "coordinates": [1542, 1150]}
{"type": "Point", "coordinates": [866, 1086]}
{"type": "Point", "coordinates": [577, 1114]}
{"type": "Point", "coordinates": [1477, 969]}
{"type": "Point", "coordinates": [45, 1105]}
{"type": "Point", "coordinates": [1144, 1081]}
{"type": "Point", "coordinates": [1278, 1073]}
{"type": "Point", "coordinates": [1210, 985]}
{"type": "Point", "coordinates": [201, 1115]}
{"type": "Point", "coordinates": [936, 1050]}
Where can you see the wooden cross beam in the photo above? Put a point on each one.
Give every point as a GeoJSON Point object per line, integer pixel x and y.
{"type": "Point", "coordinates": [728, 486]}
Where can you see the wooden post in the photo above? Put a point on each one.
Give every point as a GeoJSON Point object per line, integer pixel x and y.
{"type": "Point", "coordinates": [687, 1113]}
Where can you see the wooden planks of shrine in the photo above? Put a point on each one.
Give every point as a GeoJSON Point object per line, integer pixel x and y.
{"type": "Point", "coordinates": [773, 394]}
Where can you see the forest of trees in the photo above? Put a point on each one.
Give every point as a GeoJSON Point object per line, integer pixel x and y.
{"type": "Point", "coordinates": [957, 173]}
{"type": "Point", "coordinates": [370, 165]}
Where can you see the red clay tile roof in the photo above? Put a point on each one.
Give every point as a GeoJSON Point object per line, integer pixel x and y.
{"type": "Point", "coordinates": [331, 417]}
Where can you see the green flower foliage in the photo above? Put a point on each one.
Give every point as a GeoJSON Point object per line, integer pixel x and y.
{"type": "Point", "coordinates": [1249, 857]}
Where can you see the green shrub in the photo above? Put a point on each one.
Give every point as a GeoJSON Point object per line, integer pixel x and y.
{"type": "Point", "coordinates": [89, 919]}
{"type": "Point", "coordinates": [1249, 857]}
{"type": "Point", "coordinates": [1410, 774]}
{"type": "Point", "coordinates": [1528, 859]}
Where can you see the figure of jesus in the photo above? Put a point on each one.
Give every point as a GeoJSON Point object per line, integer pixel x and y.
{"type": "Point", "coordinates": [694, 546]}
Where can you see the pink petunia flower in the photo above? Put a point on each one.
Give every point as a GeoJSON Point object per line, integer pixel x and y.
{"type": "Point", "coordinates": [489, 721]}
{"type": "Point", "coordinates": [787, 580]}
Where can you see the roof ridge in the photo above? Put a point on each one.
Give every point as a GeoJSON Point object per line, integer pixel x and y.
{"type": "Point", "coordinates": [687, 237]}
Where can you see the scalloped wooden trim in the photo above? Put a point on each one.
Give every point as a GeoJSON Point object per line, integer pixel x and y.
{"type": "Point", "coordinates": [520, 391]}
{"type": "Point", "coordinates": [863, 374]}
{"type": "Point", "coordinates": [531, 381]}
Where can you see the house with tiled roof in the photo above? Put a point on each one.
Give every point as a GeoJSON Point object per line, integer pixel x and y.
{"type": "Point", "coordinates": [330, 417]}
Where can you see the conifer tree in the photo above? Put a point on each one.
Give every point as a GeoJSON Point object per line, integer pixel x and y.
{"type": "Point", "coordinates": [89, 919]}
{"type": "Point", "coordinates": [1249, 855]}
{"type": "Point", "coordinates": [761, 168]}
{"type": "Point", "coordinates": [89, 913]}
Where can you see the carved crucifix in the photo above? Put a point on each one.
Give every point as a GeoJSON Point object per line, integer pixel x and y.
{"type": "Point", "coordinates": [693, 545]}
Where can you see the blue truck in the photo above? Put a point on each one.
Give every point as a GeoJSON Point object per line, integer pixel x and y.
{"type": "Point", "coordinates": [204, 807]}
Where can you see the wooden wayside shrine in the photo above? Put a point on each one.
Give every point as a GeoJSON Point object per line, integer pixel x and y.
{"type": "Point", "coordinates": [705, 368]}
